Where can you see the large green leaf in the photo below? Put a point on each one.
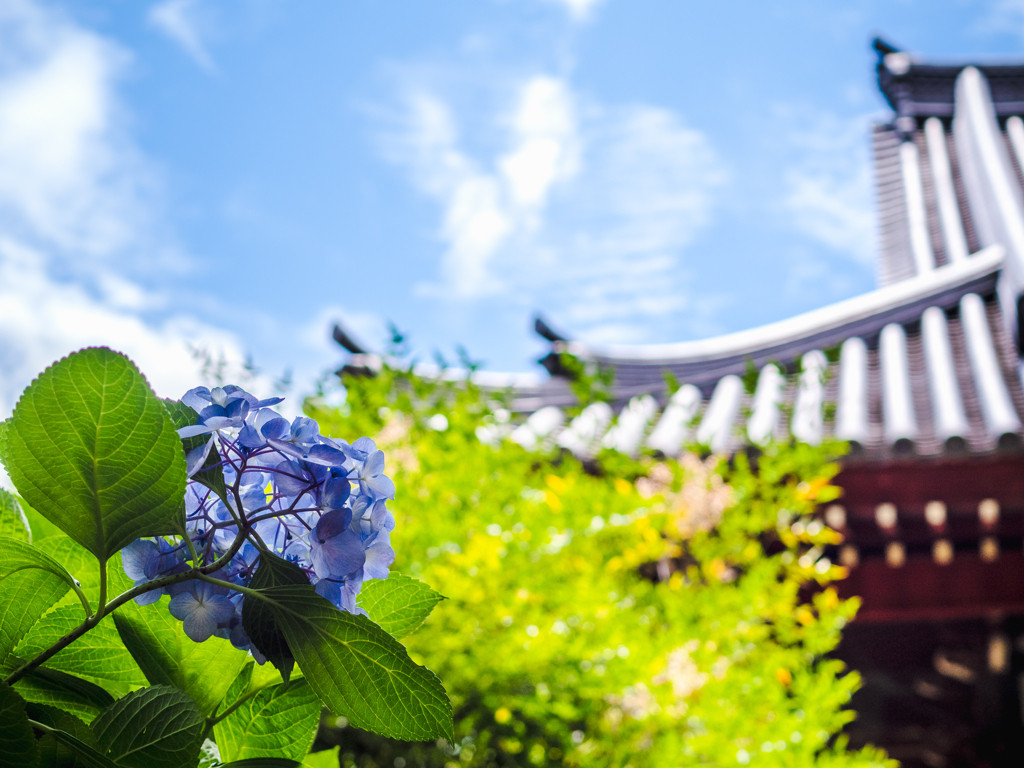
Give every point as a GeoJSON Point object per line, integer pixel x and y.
{"type": "Point", "coordinates": [166, 656]}
{"type": "Point", "coordinates": [18, 556]}
{"type": "Point", "coordinates": [13, 523]}
{"type": "Point", "coordinates": [39, 525]}
{"type": "Point", "coordinates": [86, 755]}
{"type": "Point", "coordinates": [325, 758]}
{"type": "Point", "coordinates": [80, 697]}
{"type": "Point", "coordinates": [357, 669]}
{"type": "Point", "coordinates": [158, 727]}
{"type": "Point", "coordinates": [262, 762]}
{"type": "Point", "coordinates": [55, 752]}
{"type": "Point", "coordinates": [93, 450]}
{"type": "Point", "coordinates": [259, 623]}
{"type": "Point", "coordinates": [17, 742]}
{"type": "Point", "coordinates": [398, 604]}
{"type": "Point", "coordinates": [98, 655]}
{"type": "Point", "coordinates": [30, 582]}
{"type": "Point", "coordinates": [80, 563]}
{"type": "Point", "coordinates": [280, 721]}
{"type": "Point", "coordinates": [212, 473]}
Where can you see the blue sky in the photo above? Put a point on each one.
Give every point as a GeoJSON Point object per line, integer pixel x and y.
{"type": "Point", "coordinates": [237, 174]}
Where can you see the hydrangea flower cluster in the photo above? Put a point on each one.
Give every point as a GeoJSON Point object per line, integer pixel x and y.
{"type": "Point", "coordinates": [313, 500]}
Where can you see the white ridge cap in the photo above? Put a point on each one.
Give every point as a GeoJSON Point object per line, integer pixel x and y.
{"type": "Point", "coordinates": [835, 315]}
{"type": "Point", "coordinates": [490, 379]}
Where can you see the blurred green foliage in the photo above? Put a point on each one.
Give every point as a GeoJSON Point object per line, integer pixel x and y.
{"type": "Point", "coordinates": [653, 614]}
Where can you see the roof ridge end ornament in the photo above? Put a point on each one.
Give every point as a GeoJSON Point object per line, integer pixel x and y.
{"type": "Point", "coordinates": [545, 331]}
{"type": "Point", "coordinates": [344, 338]}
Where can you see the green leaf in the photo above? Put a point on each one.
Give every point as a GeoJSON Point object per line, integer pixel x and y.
{"type": "Point", "coordinates": [166, 656]}
{"type": "Point", "coordinates": [277, 722]}
{"type": "Point", "coordinates": [53, 752]}
{"type": "Point", "coordinates": [80, 563]}
{"type": "Point", "coordinates": [398, 604]}
{"type": "Point", "coordinates": [239, 686]}
{"type": "Point", "coordinates": [98, 655]}
{"type": "Point", "coordinates": [16, 556]}
{"type": "Point", "coordinates": [212, 473]}
{"type": "Point", "coordinates": [30, 582]}
{"type": "Point", "coordinates": [59, 689]}
{"type": "Point", "coordinates": [13, 523]}
{"type": "Point", "coordinates": [39, 525]}
{"type": "Point", "coordinates": [66, 741]}
{"type": "Point", "coordinates": [17, 742]}
{"type": "Point", "coordinates": [93, 450]}
{"type": "Point", "coordinates": [326, 758]}
{"type": "Point", "coordinates": [259, 623]}
{"type": "Point", "coordinates": [151, 728]}
{"type": "Point", "coordinates": [262, 762]}
{"type": "Point", "coordinates": [357, 669]}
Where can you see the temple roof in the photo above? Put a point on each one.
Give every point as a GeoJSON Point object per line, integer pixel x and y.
{"type": "Point", "coordinates": [927, 363]}
{"type": "Point", "coordinates": [919, 89]}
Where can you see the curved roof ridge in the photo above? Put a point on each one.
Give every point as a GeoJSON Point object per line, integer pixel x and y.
{"type": "Point", "coordinates": [860, 315]}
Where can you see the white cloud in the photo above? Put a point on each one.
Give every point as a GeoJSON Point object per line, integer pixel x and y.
{"type": "Point", "coordinates": [76, 209]}
{"type": "Point", "coordinates": [589, 204]}
{"type": "Point", "coordinates": [578, 9]}
{"type": "Point", "coordinates": [828, 190]}
{"type": "Point", "coordinates": [546, 149]}
{"type": "Point", "coordinates": [61, 177]}
{"type": "Point", "coordinates": [43, 319]}
{"type": "Point", "coordinates": [179, 21]}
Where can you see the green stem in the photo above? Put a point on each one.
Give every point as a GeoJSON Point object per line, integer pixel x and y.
{"type": "Point", "coordinates": [191, 547]}
{"type": "Point", "coordinates": [105, 609]}
{"type": "Point", "coordinates": [212, 721]}
{"type": "Point", "coordinates": [83, 598]}
{"type": "Point", "coordinates": [103, 591]}
{"type": "Point", "coordinates": [40, 726]}
{"type": "Point", "coordinates": [60, 645]}
{"type": "Point", "coordinates": [227, 584]}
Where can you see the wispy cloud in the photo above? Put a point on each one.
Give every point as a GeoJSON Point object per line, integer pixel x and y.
{"type": "Point", "coordinates": [77, 208]}
{"type": "Point", "coordinates": [828, 189]}
{"type": "Point", "coordinates": [179, 20]}
{"type": "Point", "coordinates": [585, 207]}
{"type": "Point", "coordinates": [66, 174]}
{"type": "Point", "coordinates": [578, 9]}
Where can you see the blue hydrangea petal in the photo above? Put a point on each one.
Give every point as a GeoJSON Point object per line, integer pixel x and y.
{"type": "Point", "coordinates": [331, 590]}
{"type": "Point", "coordinates": [250, 437]}
{"type": "Point", "coordinates": [148, 598]}
{"type": "Point", "coordinates": [381, 485]}
{"type": "Point", "coordinates": [364, 445]}
{"type": "Point", "coordinates": [199, 606]}
{"type": "Point", "coordinates": [212, 411]}
{"type": "Point", "coordinates": [337, 556]}
{"type": "Point", "coordinates": [379, 558]}
{"type": "Point", "coordinates": [290, 479]}
{"type": "Point", "coordinates": [337, 489]}
{"type": "Point", "coordinates": [222, 422]}
{"type": "Point", "coordinates": [194, 430]}
{"type": "Point", "coordinates": [237, 409]}
{"type": "Point", "coordinates": [374, 464]}
{"type": "Point", "coordinates": [381, 518]}
{"type": "Point", "coordinates": [332, 524]}
{"type": "Point", "coordinates": [195, 458]}
{"type": "Point", "coordinates": [326, 455]}
{"type": "Point", "coordinates": [139, 560]}
{"type": "Point", "coordinates": [289, 449]}
{"type": "Point", "coordinates": [197, 398]}
{"type": "Point", "coordinates": [305, 430]}
{"type": "Point", "coordinates": [349, 593]}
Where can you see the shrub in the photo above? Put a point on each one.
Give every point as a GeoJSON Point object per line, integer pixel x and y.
{"type": "Point", "coordinates": [642, 613]}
